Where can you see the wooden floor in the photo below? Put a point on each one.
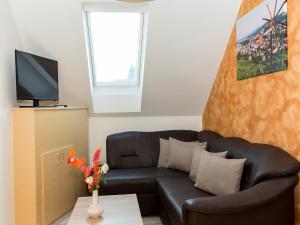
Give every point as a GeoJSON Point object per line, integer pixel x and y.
{"type": "Point", "coordinates": [146, 220]}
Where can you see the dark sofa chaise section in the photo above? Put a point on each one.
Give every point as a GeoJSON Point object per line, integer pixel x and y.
{"type": "Point", "coordinates": [267, 187]}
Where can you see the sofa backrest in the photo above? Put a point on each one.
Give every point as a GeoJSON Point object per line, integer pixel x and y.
{"type": "Point", "coordinates": [140, 149]}
{"type": "Point", "coordinates": [263, 161]}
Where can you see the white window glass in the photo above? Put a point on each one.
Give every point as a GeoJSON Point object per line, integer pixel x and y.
{"type": "Point", "coordinates": [116, 47]}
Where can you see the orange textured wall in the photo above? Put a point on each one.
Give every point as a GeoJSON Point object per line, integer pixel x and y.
{"type": "Point", "coordinates": [264, 109]}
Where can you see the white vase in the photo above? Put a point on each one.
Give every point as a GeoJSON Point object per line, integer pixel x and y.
{"type": "Point", "coordinates": [95, 210]}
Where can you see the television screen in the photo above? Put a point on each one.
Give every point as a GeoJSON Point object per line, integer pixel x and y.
{"type": "Point", "coordinates": [37, 77]}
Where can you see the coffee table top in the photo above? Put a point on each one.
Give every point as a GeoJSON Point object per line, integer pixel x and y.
{"type": "Point", "coordinates": [117, 210]}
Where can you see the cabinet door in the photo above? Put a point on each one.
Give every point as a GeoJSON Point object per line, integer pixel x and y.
{"type": "Point", "coordinates": [58, 184]}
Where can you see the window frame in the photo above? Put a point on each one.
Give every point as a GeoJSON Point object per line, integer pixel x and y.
{"type": "Point", "coordinates": [141, 46]}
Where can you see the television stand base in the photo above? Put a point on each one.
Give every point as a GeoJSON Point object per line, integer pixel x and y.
{"type": "Point", "coordinates": [36, 104]}
{"type": "Point", "coordinates": [44, 106]}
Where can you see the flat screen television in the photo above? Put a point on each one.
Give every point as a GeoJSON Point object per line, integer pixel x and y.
{"type": "Point", "coordinates": [37, 78]}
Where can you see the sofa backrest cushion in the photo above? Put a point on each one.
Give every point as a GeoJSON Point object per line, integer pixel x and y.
{"type": "Point", "coordinates": [263, 161]}
{"type": "Point", "coordinates": [208, 136]}
{"type": "Point", "coordinates": [140, 149]}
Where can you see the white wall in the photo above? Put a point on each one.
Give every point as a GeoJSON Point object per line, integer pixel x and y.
{"type": "Point", "coordinates": [185, 44]}
{"type": "Point", "coordinates": [101, 127]}
{"type": "Point", "coordinates": [8, 42]}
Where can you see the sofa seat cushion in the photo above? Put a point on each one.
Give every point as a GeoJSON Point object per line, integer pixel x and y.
{"type": "Point", "coordinates": [138, 181]}
{"type": "Point", "coordinates": [173, 192]}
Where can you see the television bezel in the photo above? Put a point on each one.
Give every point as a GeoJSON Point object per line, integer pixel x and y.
{"type": "Point", "coordinates": [17, 78]}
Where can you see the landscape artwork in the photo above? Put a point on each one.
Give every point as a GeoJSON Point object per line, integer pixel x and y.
{"type": "Point", "coordinates": [262, 42]}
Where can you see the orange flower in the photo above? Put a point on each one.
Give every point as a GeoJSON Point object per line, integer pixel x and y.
{"type": "Point", "coordinates": [72, 161]}
{"type": "Point", "coordinates": [80, 162]}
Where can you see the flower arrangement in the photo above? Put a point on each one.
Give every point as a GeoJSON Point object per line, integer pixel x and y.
{"type": "Point", "coordinates": [95, 174]}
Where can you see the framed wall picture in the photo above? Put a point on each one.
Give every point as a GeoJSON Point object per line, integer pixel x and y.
{"type": "Point", "coordinates": [262, 42]}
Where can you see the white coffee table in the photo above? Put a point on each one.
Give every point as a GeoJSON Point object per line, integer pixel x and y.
{"type": "Point", "coordinates": [117, 210]}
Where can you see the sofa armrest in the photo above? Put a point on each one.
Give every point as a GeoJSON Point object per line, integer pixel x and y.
{"type": "Point", "coordinates": [258, 196]}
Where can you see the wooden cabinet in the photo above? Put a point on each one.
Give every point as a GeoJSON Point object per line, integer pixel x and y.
{"type": "Point", "coordinates": [44, 186]}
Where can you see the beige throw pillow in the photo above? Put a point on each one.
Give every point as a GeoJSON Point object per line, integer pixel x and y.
{"type": "Point", "coordinates": [196, 161]}
{"type": "Point", "coordinates": [181, 154]}
{"type": "Point", "coordinates": [164, 153]}
{"type": "Point", "coordinates": [219, 176]}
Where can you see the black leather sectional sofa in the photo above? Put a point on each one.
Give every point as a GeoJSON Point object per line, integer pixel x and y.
{"type": "Point", "coordinates": [267, 187]}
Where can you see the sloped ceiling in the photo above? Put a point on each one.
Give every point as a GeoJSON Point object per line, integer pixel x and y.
{"type": "Point", "coordinates": [186, 41]}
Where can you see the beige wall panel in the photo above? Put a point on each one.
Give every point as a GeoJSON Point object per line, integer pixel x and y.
{"type": "Point", "coordinates": [24, 167]}
{"type": "Point", "coordinates": [58, 190]}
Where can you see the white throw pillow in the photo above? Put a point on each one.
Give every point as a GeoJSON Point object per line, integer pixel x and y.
{"type": "Point", "coordinates": [218, 175]}
{"type": "Point", "coordinates": [181, 154]}
{"type": "Point", "coordinates": [196, 161]}
{"type": "Point", "coordinates": [164, 153]}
